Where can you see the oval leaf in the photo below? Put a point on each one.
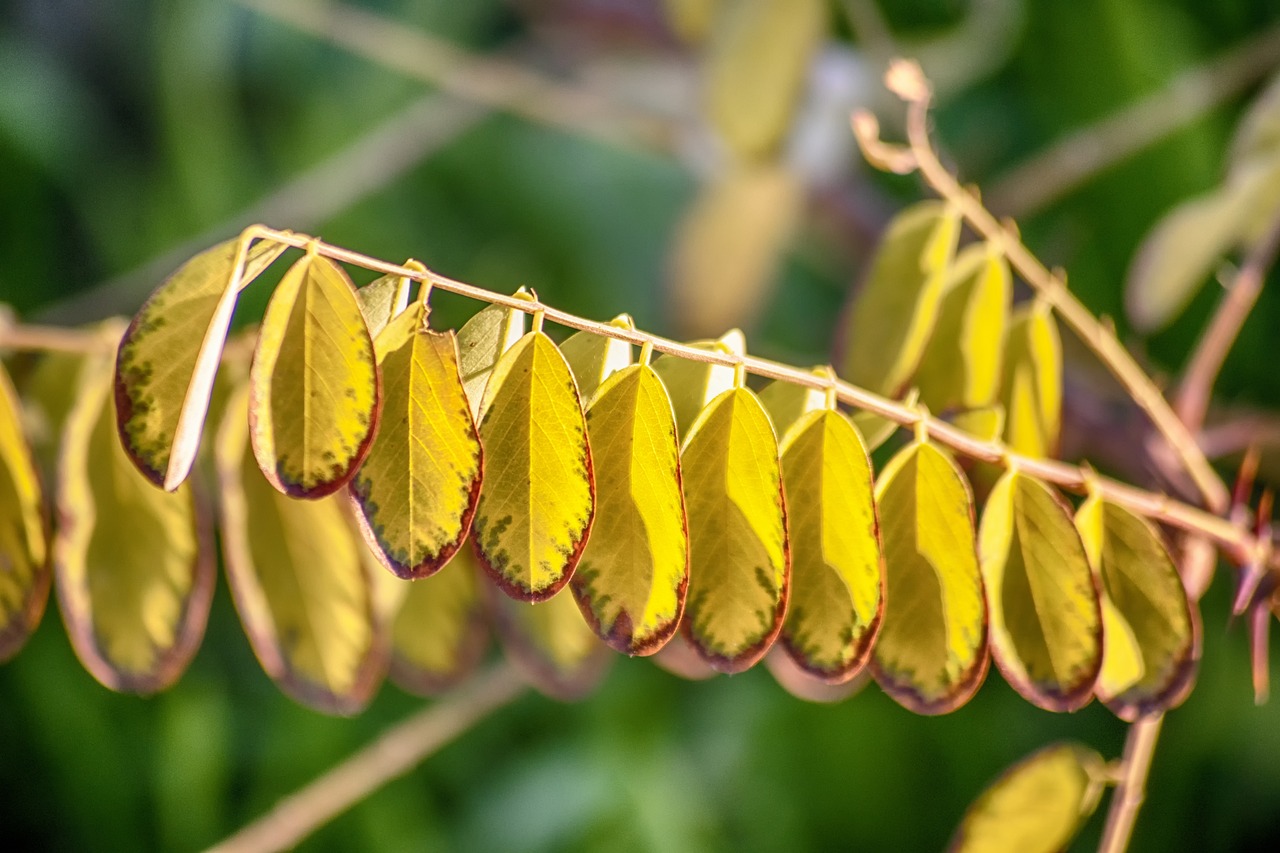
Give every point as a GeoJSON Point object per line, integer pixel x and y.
{"type": "Point", "coordinates": [315, 394]}
{"type": "Point", "coordinates": [594, 358]}
{"type": "Point", "coordinates": [894, 311]}
{"type": "Point", "coordinates": [296, 573]}
{"type": "Point", "coordinates": [787, 402]}
{"type": "Point", "coordinates": [1152, 644]}
{"type": "Point", "coordinates": [1046, 625]}
{"type": "Point", "coordinates": [481, 342]}
{"type": "Point", "coordinates": [1036, 806]}
{"type": "Point", "coordinates": [24, 558]}
{"type": "Point", "coordinates": [133, 565]}
{"type": "Point", "coordinates": [416, 491]}
{"type": "Point", "coordinates": [693, 384]}
{"type": "Point", "coordinates": [538, 498]}
{"type": "Point", "coordinates": [739, 560]}
{"type": "Point", "coordinates": [440, 630]}
{"type": "Point", "coordinates": [837, 576]}
{"type": "Point", "coordinates": [1032, 383]}
{"type": "Point", "coordinates": [551, 645]}
{"type": "Point", "coordinates": [169, 355]}
{"type": "Point", "coordinates": [382, 300]}
{"type": "Point", "coordinates": [634, 571]}
{"type": "Point", "coordinates": [931, 654]}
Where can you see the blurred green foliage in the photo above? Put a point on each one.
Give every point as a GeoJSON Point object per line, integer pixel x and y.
{"type": "Point", "coordinates": [128, 127]}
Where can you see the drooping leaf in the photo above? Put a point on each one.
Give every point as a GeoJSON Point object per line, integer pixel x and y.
{"type": "Point", "coordinates": [133, 564]}
{"type": "Point", "coordinates": [634, 572]}
{"type": "Point", "coordinates": [1152, 644]}
{"type": "Point", "coordinates": [985, 422]}
{"type": "Point", "coordinates": [49, 393]}
{"type": "Point", "coordinates": [787, 402]}
{"type": "Point", "coordinates": [895, 309]}
{"type": "Point", "coordinates": [315, 393]}
{"type": "Point", "coordinates": [960, 367]}
{"type": "Point", "coordinates": [837, 576]}
{"type": "Point", "coordinates": [24, 558]}
{"type": "Point", "coordinates": [1257, 135]}
{"type": "Point", "coordinates": [594, 358]}
{"type": "Point", "coordinates": [1046, 625]}
{"type": "Point", "coordinates": [382, 300]}
{"type": "Point", "coordinates": [759, 59]}
{"type": "Point", "coordinates": [169, 355]}
{"type": "Point", "coordinates": [1037, 805]}
{"type": "Point", "coordinates": [481, 342]}
{"type": "Point", "coordinates": [417, 490]}
{"type": "Point", "coordinates": [552, 645]}
{"type": "Point", "coordinates": [729, 245]}
{"type": "Point", "coordinates": [440, 630]}
{"type": "Point", "coordinates": [691, 19]}
{"type": "Point", "coordinates": [874, 429]}
{"type": "Point", "coordinates": [694, 384]}
{"type": "Point", "coordinates": [301, 587]}
{"type": "Point", "coordinates": [931, 654]}
{"type": "Point", "coordinates": [1032, 383]}
{"type": "Point", "coordinates": [739, 559]}
{"type": "Point", "coordinates": [678, 658]}
{"type": "Point", "coordinates": [804, 685]}
{"type": "Point", "coordinates": [538, 498]}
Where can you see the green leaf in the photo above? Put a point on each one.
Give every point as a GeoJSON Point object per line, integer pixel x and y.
{"type": "Point", "coordinates": [300, 584]}
{"type": "Point", "coordinates": [133, 564]}
{"type": "Point", "coordinates": [1036, 806]}
{"type": "Point", "coordinates": [594, 358]}
{"type": "Point", "coordinates": [481, 342]}
{"type": "Point", "coordinates": [382, 300]}
{"type": "Point", "coordinates": [169, 356]}
{"type": "Point", "coordinates": [1152, 636]}
{"type": "Point", "coordinates": [837, 573]}
{"type": "Point", "coordinates": [417, 490]}
{"type": "Point", "coordinates": [756, 69]}
{"type": "Point", "coordinates": [694, 384]}
{"type": "Point", "coordinates": [1032, 383]}
{"type": "Point", "coordinates": [739, 560]}
{"type": "Point", "coordinates": [1046, 625]}
{"type": "Point", "coordinates": [24, 558]}
{"type": "Point", "coordinates": [874, 429]}
{"type": "Point", "coordinates": [896, 307]}
{"type": "Point", "coordinates": [551, 645]}
{"type": "Point", "coordinates": [315, 393]}
{"type": "Point", "coordinates": [931, 654]}
{"type": "Point", "coordinates": [440, 631]}
{"type": "Point", "coordinates": [960, 367]}
{"type": "Point", "coordinates": [538, 498]}
{"type": "Point", "coordinates": [787, 402]}
{"type": "Point", "coordinates": [634, 572]}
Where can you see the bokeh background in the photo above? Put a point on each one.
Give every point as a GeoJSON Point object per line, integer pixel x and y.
{"type": "Point", "coordinates": [133, 133]}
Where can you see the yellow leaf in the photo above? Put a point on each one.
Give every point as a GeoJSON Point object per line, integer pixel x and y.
{"type": "Point", "coordinates": [985, 423]}
{"type": "Point", "coordinates": [594, 358]}
{"type": "Point", "coordinates": [552, 645]}
{"type": "Point", "coordinates": [874, 429]}
{"type": "Point", "coordinates": [960, 367]}
{"type": "Point", "coordinates": [837, 576]}
{"type": "Point", "coordinates": [759, 60]}
{"type": "Point", "coordinates": [634, 571]}
{"type": "Point", "coordinates": [1046, 626]}
{"type": "Point", "coordinates": [382, 300]}
{"type": "Point", "coordinates": [296, 573]}
{"type": "Point", "coordinates": [931, 654]}
{"type": "Point", "coordinates": [694, 384]}
{"type": "Point", "coordinates": [729, 245]}
{"type": "Point", "coordinates": [315, 393]}
{"type": "Point", "coordinates": [24, 563]}
{"type": "Point", "coordinates": [1032, 384]}
{"type": "Point", "coordinates": [538, 498]}
{"type": "Point", "coordinates": [133, 564]}
{"type": "Point", "coordinates": [1151, 634]}
{"type": "Point", "coordinates": [440, 632]}
{"type": "Point", "coordinates": [739, 561]}
{"type": "Point", "coordinates": [416, 491]}
{"type": "Point", "coordinates": [1036, 806]}
{"type": "Point", "coordinates": [691, 19]}
{"type": "Point", "coordinates": [481, 342]}
{"type": "Point", "coordinates": [169, 355]}
{"type": "Point", "coordinates": [895, 309]}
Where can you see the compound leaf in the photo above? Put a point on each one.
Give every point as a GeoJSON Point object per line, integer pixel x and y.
{"type": "Point", "coordinates": [1032, 384]}
{"type": "Point", "coordinates": [416, 491]}
{"type": "Point", "coordinates": [931, 654]}
{"type": "Point", "coordinates": [634, 572]}
{"type": "Point", "coordinates": [1046, 626]}
{"type": "Point", "coordinates": [24, 558]}
{"type": "Point", "coordinates": [538, 498]}
{"type": "Point", "coordinates": [739, 564]}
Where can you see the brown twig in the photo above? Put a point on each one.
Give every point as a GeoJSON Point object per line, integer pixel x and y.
{"type": "Point", "coordinates": [18, 336]}
{"type": "Point", "coordinates": [394, 753]}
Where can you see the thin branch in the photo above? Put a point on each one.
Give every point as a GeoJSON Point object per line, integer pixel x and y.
{"type": "Point", "coordinates": [31, 338]}
{"type": "Point", "coordinates": [1072, 478]}
{"type": "Point", "coordinates": [394, 753]}
{"type": "Point", "coordinates": [1139, 748]}
{"type": "Point", "coordinates": [906, 80]}
{"type": "Point", "coordinates": [1066, 164]}
{"type": "Point", "coordinates": [1211, 351]}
